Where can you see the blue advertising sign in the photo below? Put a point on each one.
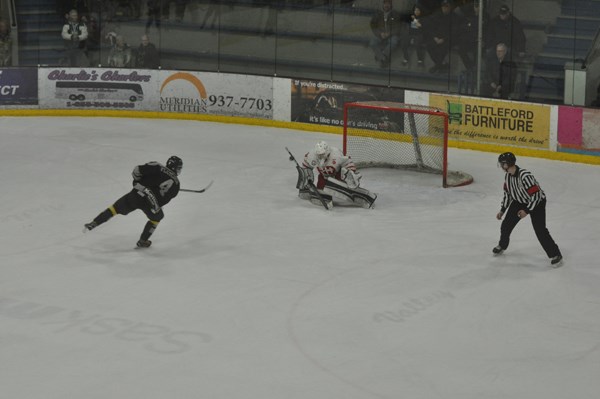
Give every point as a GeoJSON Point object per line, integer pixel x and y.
{"type": "Point", "coordinates": [18, 86]}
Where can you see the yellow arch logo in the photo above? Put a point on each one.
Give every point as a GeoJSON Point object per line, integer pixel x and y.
{"type": "Point", "coordinates": [188, 77]}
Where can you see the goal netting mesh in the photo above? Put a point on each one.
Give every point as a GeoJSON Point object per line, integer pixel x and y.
{"type": "Point", "coordinates": [402, 136]}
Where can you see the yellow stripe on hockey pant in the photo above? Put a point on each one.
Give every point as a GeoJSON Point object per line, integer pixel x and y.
{"type": "Point", "coordinates": [154, 222]}
{"type": "Point", "coordinates": [112, 210]}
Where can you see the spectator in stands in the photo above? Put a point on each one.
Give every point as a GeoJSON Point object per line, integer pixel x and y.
{"type": "Point", "coordinates": [94, 40]}
{"type": "Point", "coordinates": [415, 36]}
{"type": "Point", "coordinates": [462, 5]}
{"type": "Point", "coordinates": [440, 30]}
{"type": "Point", "coordinates": [385, 25]}
{"type": "Point", "coordinates": [469, 34]}
{"type": "Point", "coordinates": [108, 10]}
{"type": "Point", "coordinates": [212, 10]}
{"type": "Point", "coordinates": [501, 73]}
{"type": "Point", "coordinates": [5, 45]}
{"type": "Point", "coordinates": [155, 13]}
{"type": "Point", "coordinates": [268, 16]}
{"type": "Point", "coordinates": [165, 9]}
{"type": "Point", "coordinates": [146, 55]}
{"type": "Point", "coordinates": [74, 34]}
{"type": "Point", "coordinates": [136, 8]}
{"type": "Point", "coordinates": [506, 28]}
{"type": "Point", "coordinates": [180, 6]}
{"type": "Point", "coordinates": [123, 10]}
{"type": "Point", "coordinates": [429, 6]}
{"type": "Point", "coordinates": [120, 55]}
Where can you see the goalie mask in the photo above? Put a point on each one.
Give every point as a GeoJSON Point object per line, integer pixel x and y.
{"type": "Point", "coordinates": [322, 150]}
{"type": "Point", "coordinates": [175, 164]}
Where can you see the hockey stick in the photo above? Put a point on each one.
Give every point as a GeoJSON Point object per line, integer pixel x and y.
{"type": "Point", "coordinates": [311, 185]}
{"type": "Point", "coordinates": [197, 191]}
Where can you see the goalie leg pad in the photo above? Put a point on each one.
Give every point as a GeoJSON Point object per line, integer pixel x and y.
{"type": "Point", "coordinates": [351, 178]}
{"type": "Point", "coordinates": [305, 177]}
{"type": "Point", "coordinates": [304, 193]}
{"type": "Point", "coordinates": [307, 194]}
{"type": "Point", "coordinates": [316, 201]}
{"type": "Point", "coordinates": [358, 196]}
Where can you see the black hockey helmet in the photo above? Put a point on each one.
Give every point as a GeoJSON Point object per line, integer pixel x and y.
{"type": "Point", "coordinates": [175, 164]}
{"type": "Point", "coordinates": [507, 158]}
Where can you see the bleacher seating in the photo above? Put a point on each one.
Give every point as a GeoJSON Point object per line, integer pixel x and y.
{"type": "Point", "coordinates": [569, 40]}
{"type": "Point", "coordinates": [319, 42]}
{"type": "Point", "coordinates": [39, 32]}
{"type": "Point", "coordinates": [316, 51]}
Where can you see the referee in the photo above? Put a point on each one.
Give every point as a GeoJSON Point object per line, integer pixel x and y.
{"type": "Point", "coordinates": [523, 196]}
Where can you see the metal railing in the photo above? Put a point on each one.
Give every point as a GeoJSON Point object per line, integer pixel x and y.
{"type": "Point", "coordinates": [9, 12]}
{"type": "Point", "coordinates": [594, 51]}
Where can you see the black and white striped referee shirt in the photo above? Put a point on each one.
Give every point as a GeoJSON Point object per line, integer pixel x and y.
{"type": "Point", "coordinates": [522, 188]}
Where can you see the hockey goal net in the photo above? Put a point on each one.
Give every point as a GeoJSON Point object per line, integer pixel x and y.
{"type": "Point", "coordinates": [402, 136]}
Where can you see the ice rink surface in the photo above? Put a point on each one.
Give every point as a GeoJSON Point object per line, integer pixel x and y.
{"type": "Point", "coordinates": [249, 292]}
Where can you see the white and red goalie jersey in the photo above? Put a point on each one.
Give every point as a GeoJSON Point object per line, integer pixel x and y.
{"type": "Point", "coordinates": [331, 162]}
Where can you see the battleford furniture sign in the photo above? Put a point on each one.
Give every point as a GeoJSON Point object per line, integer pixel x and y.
{"type": "Point", "coordinates": [500, 122]}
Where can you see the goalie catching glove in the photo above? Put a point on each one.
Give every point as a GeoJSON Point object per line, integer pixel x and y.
{"type": "Point", "coordinates": [351, 177]}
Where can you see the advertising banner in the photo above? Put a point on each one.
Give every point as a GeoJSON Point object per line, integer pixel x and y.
{"type": "Point", "coordinates": [497, 122]}
{"type": "Point", "coordinates": [323, 102]}
{"type": "Point", "coordinates": [578, 131]}
{"type": "Point", "coordinates": [18, 86]}
{"type": "Point", "coordinates": [216, 93]}
{"type": "Point", "coordinates": [591, 129]}
{"type": "Point", "coordinates": [570, 125]}
{"type": "Point", "coordinates": [96, 88]}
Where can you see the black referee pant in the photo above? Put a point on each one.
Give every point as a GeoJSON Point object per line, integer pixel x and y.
{"type": "Point", "coordinates": [538, 220]}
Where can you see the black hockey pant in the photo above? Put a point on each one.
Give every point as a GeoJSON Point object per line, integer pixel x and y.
{"type": "Point", "coordinates": [538, 220]}
{"type": "Point", "coordinates": [129, 203]}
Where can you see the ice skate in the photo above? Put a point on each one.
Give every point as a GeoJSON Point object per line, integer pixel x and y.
{"type": "Point", "coordinates": [89, 226]}
{"type": "Point", "coordinates": [144, 243]}
{"type": "Point", "coordinates": [556, 261]}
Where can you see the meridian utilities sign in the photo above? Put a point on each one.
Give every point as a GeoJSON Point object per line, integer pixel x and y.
{"type": "Point", "coordinates": [216, 93]}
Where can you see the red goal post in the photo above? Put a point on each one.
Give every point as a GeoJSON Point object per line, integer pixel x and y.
{"type": "Point", "coordinates": [401, 136]}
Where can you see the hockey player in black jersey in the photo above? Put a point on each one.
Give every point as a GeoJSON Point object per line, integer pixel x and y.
{"type": "Point", "coordinates": [154, 185]}
{"type": "Point", "coordinates": [523, 196]}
